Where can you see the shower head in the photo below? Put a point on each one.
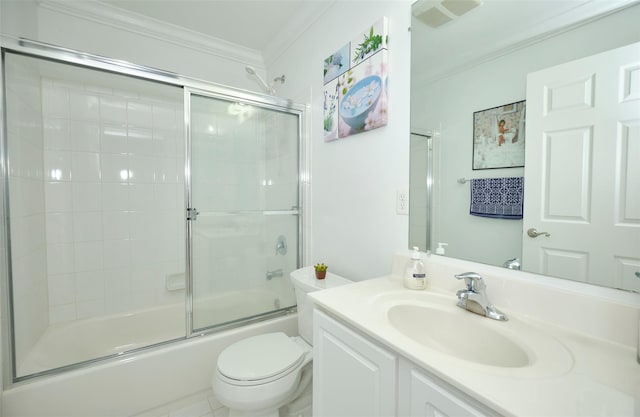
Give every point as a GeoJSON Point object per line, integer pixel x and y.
{"type": "Point", "coordinates": [267, 87]}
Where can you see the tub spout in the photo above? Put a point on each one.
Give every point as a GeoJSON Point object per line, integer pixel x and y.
{"type": "Point", "coordinates": [274, 273]}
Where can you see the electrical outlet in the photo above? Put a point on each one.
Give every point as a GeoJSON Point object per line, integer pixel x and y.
{"type": "Point", "coordinates": [402, 202]}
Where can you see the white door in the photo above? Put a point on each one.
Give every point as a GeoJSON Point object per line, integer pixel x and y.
{"type": "Point", "coordinates": [582, 169]}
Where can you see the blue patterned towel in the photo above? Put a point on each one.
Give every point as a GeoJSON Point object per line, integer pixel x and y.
{"type": "Point", "coordinates": [500, 198]}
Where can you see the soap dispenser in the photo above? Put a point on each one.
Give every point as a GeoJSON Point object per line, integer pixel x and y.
{"type": "Point", "coordinates": [415, 277]}
{"type": "Point", "coordinates": [440, 249]}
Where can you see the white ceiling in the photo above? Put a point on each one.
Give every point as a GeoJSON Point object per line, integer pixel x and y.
{"type": "Point", "coordinates": [249, 23]}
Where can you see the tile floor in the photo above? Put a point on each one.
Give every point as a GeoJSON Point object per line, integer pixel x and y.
{"type": "Point", "coordinates": [204, 404]}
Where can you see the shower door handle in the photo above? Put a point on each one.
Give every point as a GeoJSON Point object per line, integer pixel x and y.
{"type": "Point", "coordinates": [192, 214]}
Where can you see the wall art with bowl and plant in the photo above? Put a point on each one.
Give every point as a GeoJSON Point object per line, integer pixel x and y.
{"type": "Point", "coordinates": [355, 84]}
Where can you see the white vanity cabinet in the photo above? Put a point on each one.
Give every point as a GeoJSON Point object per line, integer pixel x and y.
{"type": "Point", "coordinates": [354, 376]}
{"type": "Point", "coordinates": [420, 394]}
{"type": "Point", "coordinates": [351, 375]}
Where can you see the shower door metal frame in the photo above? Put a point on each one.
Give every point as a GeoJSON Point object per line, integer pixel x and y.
{"type": "Point", "coordinates": [63, 55]}
{"type": "Point", "coordinates": [296, 211]}
{"type": "Point", "coordinates": [428, 136]}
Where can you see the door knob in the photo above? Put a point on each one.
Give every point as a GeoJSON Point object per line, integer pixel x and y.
{"type": "Point", "coordinates": [534, 233]}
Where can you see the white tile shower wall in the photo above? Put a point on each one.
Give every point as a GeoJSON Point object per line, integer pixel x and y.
{"type": "Point", "coordinates": [27, 208]}
{"type": "Point", "coordinates": [114, 199]}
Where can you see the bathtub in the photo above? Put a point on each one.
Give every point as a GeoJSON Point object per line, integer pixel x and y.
{"type": "Point", "coordinates": [134, 382]}
{"type": "Point", "coordinates": [103, 336]}
{"type": "Point", "coordinates": [110, 335]}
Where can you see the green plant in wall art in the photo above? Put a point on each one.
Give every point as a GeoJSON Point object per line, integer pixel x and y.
{"type": "Point", "coordinates": [371, 43]}
{"type": "Point", "coordinates": [355, 89]}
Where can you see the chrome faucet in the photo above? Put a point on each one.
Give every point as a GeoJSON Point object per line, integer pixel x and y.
{"type": "Point", "coordinates": [274, 273]}
{"type": "Point", "coordinates": [474, 297]}
{"type": "Point", "coordinates": [512, 264]}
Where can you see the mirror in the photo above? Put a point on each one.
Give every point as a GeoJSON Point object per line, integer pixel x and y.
{"type": "Point", "coordinates": [477, 61]}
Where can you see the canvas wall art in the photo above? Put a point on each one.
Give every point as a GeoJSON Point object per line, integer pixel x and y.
{"type": "Point", "coordinates": [355, 84]}
{"type": "Point", "coordinates": [498, 137]}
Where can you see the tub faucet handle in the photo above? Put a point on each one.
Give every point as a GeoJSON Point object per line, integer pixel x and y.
{"type": "Point", "coordinates": [281, 245]}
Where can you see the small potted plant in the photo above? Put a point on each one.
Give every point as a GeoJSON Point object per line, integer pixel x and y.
{"type": "Point", "coordinates": [321, 270]}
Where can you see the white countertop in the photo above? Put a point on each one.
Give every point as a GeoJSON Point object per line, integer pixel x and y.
{"type": "Point", "coordinates": [572, 373]}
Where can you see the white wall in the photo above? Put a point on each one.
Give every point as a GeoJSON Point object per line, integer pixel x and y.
{"type": "Point", "coordinates": [19, 18]}
{"type": "Point", "coordinates": [450, 102]}
{"type": "Point", "coordinates": [355, 228]}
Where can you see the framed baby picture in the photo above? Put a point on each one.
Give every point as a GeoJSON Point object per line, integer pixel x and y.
{"type": "Point", "coordinates": [498, 136]}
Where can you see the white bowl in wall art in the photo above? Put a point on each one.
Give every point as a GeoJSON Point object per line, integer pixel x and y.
{"type": "Point", "coordinates": [360, 100]}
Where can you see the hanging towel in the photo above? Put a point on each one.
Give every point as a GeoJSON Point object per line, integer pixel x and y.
{"type": "Point", "coordinates": [500, 198]}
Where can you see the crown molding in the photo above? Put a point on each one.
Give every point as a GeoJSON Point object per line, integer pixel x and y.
{"type": "Point", "coordinates": [290, 33]}
{"type": "Point", "coordinates": [105, 14]}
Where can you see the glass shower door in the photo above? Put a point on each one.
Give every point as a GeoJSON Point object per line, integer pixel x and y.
{"type": "Point", "coordinates": [244, 218]}
{"type": "Point", "coordinates": [94, 202]}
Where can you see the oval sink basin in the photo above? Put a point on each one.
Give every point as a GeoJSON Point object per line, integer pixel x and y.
{"type": "Point", "coordinates": [458, 333]}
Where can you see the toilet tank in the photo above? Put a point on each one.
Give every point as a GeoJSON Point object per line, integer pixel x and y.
{"type": "Point", "coordinates": [304, 281]}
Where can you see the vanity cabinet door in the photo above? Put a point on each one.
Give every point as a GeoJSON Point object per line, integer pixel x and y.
{"type": "Point", "coordinates": [424, 395]}
{"type": "Point", "coordinates": [351, 375]}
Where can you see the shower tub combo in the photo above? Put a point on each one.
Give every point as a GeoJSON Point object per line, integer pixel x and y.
{"type": "Point", "coordinates": [151, 221]}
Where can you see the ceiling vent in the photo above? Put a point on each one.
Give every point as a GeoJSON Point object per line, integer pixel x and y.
{"type": "Point", "coordinates": [436, 13]}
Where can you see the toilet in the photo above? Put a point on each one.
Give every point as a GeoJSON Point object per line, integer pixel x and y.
{"type": "Point", "coordinates": [258, 375]}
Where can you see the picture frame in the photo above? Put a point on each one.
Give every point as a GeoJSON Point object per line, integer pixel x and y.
{"type": "Point", "coordinates": [499, 136]}
{"type": "Point", "coordinates": [355, 84]}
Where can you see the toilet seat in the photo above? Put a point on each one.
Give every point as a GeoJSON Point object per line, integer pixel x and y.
{"type": "Point", "coordinates": [243, 363]}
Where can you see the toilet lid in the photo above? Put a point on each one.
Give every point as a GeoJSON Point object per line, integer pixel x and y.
{"type": "Point", "coordinates": [260, 357]}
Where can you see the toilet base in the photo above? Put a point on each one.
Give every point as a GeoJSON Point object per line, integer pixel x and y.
{"type": "Point", "coordinates": [304, 384]}
{"type": "Point", "coordinates": [297, 407]}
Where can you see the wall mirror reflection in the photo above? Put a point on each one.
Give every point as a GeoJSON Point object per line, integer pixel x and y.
{"type": "Point", "coordinates": [574, 63]}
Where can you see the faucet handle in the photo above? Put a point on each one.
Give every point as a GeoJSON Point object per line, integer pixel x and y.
{"type": "Point", "coordinates": [473, 280]}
